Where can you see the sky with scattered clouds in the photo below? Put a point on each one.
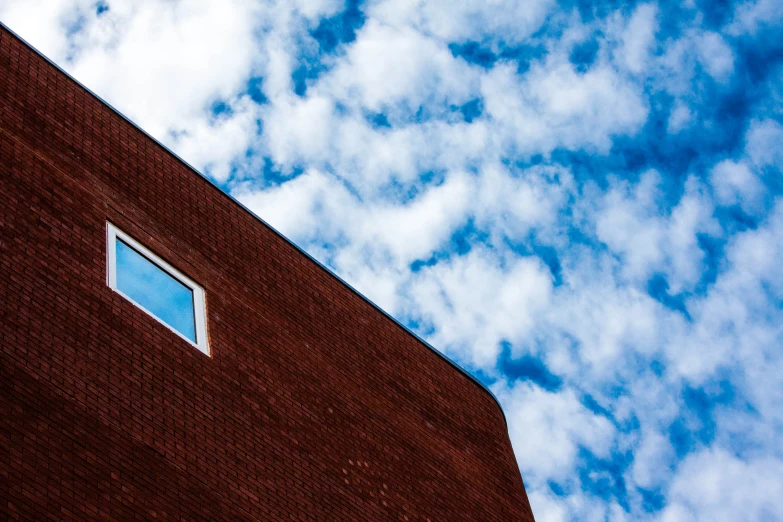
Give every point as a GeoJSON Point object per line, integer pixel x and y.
{"type": "Point", "coordinates": [579, 202]}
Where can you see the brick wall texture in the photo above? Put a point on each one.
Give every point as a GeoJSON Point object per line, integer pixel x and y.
{"type": "Point", "coordinates": [313, 405]}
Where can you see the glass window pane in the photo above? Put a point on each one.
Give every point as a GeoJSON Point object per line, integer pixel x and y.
{"type": "Point", "coordinates": [155, 290]}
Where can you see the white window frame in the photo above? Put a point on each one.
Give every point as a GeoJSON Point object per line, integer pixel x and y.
{"type": "Point", "coordinates": [199, 304]}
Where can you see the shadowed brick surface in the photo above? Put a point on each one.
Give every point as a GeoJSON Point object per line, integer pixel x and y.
{"type": "Point", "coordinates": [313, 406]}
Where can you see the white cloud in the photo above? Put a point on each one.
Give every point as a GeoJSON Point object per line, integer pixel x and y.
{"type": "Point", "coordinates": [211, 145]}
{"type": "Point", "coordinates": [554, 106]}
{"type": "Point", "coordinates": [752, 15]}
{"type": "Point", "coordinates": [547, 506]}
{"type": "Point", "coordinates": [651, 460]}
{"type": "Point", "coordinates": [505, 20]}
{"type": "Point", "coordinates": [514, 204]}
{"type": "Point", "coordinates": [388, 65]}
{"type": "Point", "coordinates": [45, 24]}
{"type": "Point", "coordinates": [415, 229]}
{"type": "Point", "coordinates": [300, 130]}
{"type": "Point", "coordinates": [762, 143]}
{"type": "Point", "coordinates": [149, 58]}
{"type": "Point", "coordinates": [477, 300]}
{"type": "Point", "coordinates": [306, 207]}
{"type": "Point", "coordinates": [608, 323]}
{"type": "Point", "coordinates": [715, 55]}
{"type": "Point", "coordinates": [574, 506]}
{"type": "Point", "coordinates": [382, 238]}
{"type": "Point", "coordinates": [675, 69]}
{"type": "Point", "coordinates": [691, 216]}
{"type": "Point", "coordinates": [562, 426]}
{"type": "Point", "coordinates": [680, 117]}
{"type": "Point", "coordinates": [629, 221]}
{"type": "Point", "coordinates": [715, 486]}
{"type": "Point", "coordinates": [733, 326]}
{"type": "Point", "coordinates": [628, 224]}
{"type": "Point", "coordinates": [638, 38]}
{"type": "Point", "coordinates": [734, 183]}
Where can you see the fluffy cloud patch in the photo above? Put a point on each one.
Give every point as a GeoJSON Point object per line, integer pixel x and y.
{"type": "Point", "coordinates": [734, 183]}
{"type": "Point", "coordinates": [388, 65]}
{"type": "Point", "coordinates": [563, 425]}
{"type": "Point", "coordinates": [716, 486]}
{"type": "Point", "coordinates": [476, 301]}
{"type": "Point", "coordinates": [638, 37]}
{"type": "Point", "coordinates": [466, 19]}
{"type": "Point", "coordinates": [629, 222]}
{"type": "Point", "coordinates": [761, 142]}
{"type": "Point", "coordinates": [555, 106]}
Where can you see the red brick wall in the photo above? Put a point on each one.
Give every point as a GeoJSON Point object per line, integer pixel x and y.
{"type": "Point", "coordinates": [313, 406]}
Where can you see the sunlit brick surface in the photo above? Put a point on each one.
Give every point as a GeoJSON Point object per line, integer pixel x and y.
{"type": "Point", "coordinates": [313, 406]}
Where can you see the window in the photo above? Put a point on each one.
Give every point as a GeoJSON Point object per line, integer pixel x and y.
{"type": "Point", "coordinates": [156, 287]}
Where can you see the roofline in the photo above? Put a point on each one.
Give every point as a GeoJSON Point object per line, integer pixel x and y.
{"type": "Point", "coordinates": [270, 227]}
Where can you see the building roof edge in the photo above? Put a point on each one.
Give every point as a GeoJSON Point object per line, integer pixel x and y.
{"type": "Point", "coordinates": [270, 227]}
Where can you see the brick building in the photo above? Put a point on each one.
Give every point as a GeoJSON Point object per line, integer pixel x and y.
{"type": "Point", "coordinates": [288, 396]}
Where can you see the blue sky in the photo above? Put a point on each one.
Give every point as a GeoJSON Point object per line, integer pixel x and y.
{"type": "Point", "coordinates": [155, 290]}
{"type": "Point", "coordinates": [579, 202]}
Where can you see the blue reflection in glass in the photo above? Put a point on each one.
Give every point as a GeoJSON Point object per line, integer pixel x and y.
{"type": "Point", "coordinates": [155, 290]}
